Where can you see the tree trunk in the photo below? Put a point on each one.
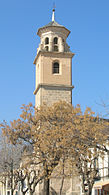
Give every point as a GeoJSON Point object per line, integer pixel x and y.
{"type": "Point", "coordinates": [12, 191]}
{"type": "Point", "coordinates": [23, 193]}
{"type": "Point", "coordinates": [90, 190]}
{"type": "Point", "coordinates": [31, 193]}
{"type": "Point", "coordinates": [46, 186]}
{"type": "Point", "coordinates": [62, 183]}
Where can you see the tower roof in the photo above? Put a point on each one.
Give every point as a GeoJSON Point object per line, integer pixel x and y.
{"type": "Point", "coordinates": [51, 25]}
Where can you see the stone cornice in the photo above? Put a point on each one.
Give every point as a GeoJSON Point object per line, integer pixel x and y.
{"type": "Point", "coordinates": [53, 86]}
{"type": "Point", "coordinates": [58, 54]}
{"type": "Point", "coordinates": [55, 28]}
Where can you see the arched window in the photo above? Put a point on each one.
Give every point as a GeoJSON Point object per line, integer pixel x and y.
{"type": "Point", "coordinates": [46, 48]}
{"type": "Point", "coordinates": [46, 40]}
{"type": "Point", "coordinates": [55, 48]}
{"type": "Point", "coordinates": [55, 40]}
{"type": "Point", "coordinates": [56, 68]}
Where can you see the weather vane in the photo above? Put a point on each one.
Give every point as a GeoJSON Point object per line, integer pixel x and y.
{"type": "Point", "coordinates": [54, 6]}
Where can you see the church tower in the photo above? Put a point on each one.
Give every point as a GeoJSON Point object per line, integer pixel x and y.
{"type": "Point", "coordinates": [53, 65]}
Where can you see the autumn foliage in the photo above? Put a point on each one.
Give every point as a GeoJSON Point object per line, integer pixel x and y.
{"type": "Point", "coordinates": [60, 133]}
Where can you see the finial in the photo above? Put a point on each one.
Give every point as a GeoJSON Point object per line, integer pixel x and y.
{"type": "Point", "coordinates": [53, 14]}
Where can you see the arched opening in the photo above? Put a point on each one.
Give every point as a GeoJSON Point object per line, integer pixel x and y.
{"type": "Point", "coordinates": [55, 48]}
{"type": "Point", "coordinates": [56, 68]}
{"type": "Point", "coordinates": [46, 48]}
{"type": "Point", "coordinates": [55, 40]}
{"type": "Point", "coordinates": [46, 40]}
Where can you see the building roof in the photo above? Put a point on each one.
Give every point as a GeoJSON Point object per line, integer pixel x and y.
{"type": "Point", "coordinates": [53, 23]}
{"type": "Point", "coordinates": [100, 184]}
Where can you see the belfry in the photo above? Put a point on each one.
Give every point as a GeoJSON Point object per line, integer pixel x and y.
{"type": "Point", "coordinates": [53, 65]}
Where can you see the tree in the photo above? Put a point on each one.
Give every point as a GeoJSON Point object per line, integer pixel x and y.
{"type": "Point", "coordinates": [28, 180]}
{"type": "Point", "coordinates": [29, 174]}
{"type": "Point", "coordinates": [92, 144]}
{"type": "Point", "coordinates": [87, 167]}
{"type": "Point", "coordinates": [10, 156]}
{"type": "Point", "coordinates": [56, 133]}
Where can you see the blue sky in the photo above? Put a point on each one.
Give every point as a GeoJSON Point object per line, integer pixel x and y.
{"type": "Point", "coordinates": [88, 21]}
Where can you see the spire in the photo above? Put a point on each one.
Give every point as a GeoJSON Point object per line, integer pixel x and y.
{"type": "Point", "coordinates": [53, 14]}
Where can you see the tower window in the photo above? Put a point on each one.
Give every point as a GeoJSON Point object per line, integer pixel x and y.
{"type": "Point", "coordinates": [55, 40]}
{"type": "Point", "coordinates": [56, 68]}
{"type": "Point", "coordinates": [55, 48]}
{"type": "Point", "coordinates": [46, 40]}
{"type": "Point", "coordinates": [46, 48]}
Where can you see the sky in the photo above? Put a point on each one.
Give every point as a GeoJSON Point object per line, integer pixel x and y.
{"type": "Point", "coordinates": [88, 21]}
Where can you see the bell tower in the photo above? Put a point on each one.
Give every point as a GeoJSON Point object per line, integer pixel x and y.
{"type": "Point", "coordinates": [53, 65]}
